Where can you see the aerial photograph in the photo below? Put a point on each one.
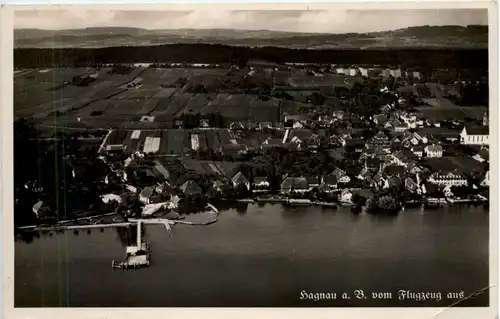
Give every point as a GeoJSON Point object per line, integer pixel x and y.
{"type": "Point", "coordinates": [251, 158]}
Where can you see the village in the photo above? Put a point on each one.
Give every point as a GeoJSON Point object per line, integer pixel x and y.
{"type": "Point", "coordinates": [374, 138]}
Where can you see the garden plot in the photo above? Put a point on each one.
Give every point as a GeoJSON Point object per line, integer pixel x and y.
{"type": "Point", "coordinates": [308, 81]}
{"type": "Point", "coordinates": [124, 107]}
{"type": "Point", "coordinates": [164, 93]}
{"type": "Point", "coordinates": [173, 105]}
{"type": "Point", "coordinates": [138, 93]}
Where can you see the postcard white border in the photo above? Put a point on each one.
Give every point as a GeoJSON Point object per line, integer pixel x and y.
{"type": "Point", "coordinates": [6, 94]}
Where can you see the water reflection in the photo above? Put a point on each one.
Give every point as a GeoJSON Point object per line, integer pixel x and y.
{"type": "Point", "coordinates": [241, 208]}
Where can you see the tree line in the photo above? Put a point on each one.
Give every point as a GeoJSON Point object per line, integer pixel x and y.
{"type": "Point", "coordinates": [476, 59]}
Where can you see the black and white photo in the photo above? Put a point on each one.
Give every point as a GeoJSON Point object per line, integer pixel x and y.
{"type": "Point", "coordinates": [226, 157]}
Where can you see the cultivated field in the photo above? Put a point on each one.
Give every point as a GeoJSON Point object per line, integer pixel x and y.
{"type": "Point", "coordinates": [121, 100]}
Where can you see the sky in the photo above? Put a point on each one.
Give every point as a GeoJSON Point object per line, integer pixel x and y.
{"type": "Point", "coordinates": [319, 21]}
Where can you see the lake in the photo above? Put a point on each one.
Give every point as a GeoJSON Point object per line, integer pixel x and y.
{"type": "Point", "coordinates": [266, 255]}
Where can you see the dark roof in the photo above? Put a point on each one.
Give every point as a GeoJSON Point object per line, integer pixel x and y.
{"type": "Point", "coordinates": [274, 141]}
{"type": "Point", "coordinates": [365, 193]}
{"type": "Point", "coordinates": [373, 162]}
{"type": "Point", "coordinates": [355, 142]}
{"type": "Point", "coordinates": [434, 148]}
{"type": "Point", "coordinates": [337, 153]}
{"type": "Point", "coordinates": [190, 187]}
{"type": "Point", "coordinates": [302, 134]}
{"type": "Point", "coordinates": [330, 179]}
{"type": "Point", "coordinates": [239, 178]}
{"type": "Point", "coordinates": [484, 153]}
{"type": "Point", "coordinates": [338, 172]}
{"type": "Point", "coordinates": [438, 131]}
{"type": "Point", "coordinates": [394, 170]}
{"type": "Point", "coordinates": [296, 117]}
{"type": "Point", "coordinates": [312, 180]}
{"type": "Point", "coordinates": [291, 146]}
{"type": "Point", "coordinates": [477, 130]}
{"type": "Point", "coordinates": [234, 147]}
{"type": "Point", "coordinates": [295, 183]}
{"type": "Point", "coordinates": [147, 192]}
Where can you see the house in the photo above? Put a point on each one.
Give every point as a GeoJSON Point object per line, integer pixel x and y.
{"type": "Point", "coordinates": [412, 186]}
{"type": "Point", "coordinates": [164, 188]}
{"type": "Point", "coordinates": [346, 196]}
{"type": "Point", "coordinates": [394, 171]}
{"type": "Point", "coordinates": [190, 189]}
{"type": "Point", "coordinates": [218, 186]}
{"type": "Point", "coordinates": [292, 146]}
{"type": "Point", "coordinates": [131, 188]}
{"type": "Point", "coordinates": [260, 183]}
{"type": "Point", "coordinates": [294, 185]}
{"type": "Point", "coordinates": [483, 155]}
{"type": "Point", "coordinates": [108, 198]}
{"type": "Point", "coordinates": [337, 153]}
{"type": "Point", "coordinates": [239, 180]}
{"type": "Point", "coordinates": [372, 163]}
{"type": "Point", "coordinates": [145, 195]}
{"type": "Point", "coordinates": [379, 181]}
{"type": "Point", "coordinates": [328, 183]}
{"type": "Point", "coordinates": [475, 135]}
{"type": "Point", "coordinates": [486, 180]}
{"type": "Point", "coordinates": [418, 151]}
{"type": "Point", "coordinates": [393, 182]}
{"type": "Point", "coordinates": [381, 137]}
{"type": "Point", "coordinates": [178, 123]}
{"type": "Point", "coordinates": [451, 178]}
{"type": "Point", "coordinates": [341, 176]}
{"type": "Point", "coordinates": [265, 125]}
{"type": "Point", "coordinates": [433, 150]}
{"type": "Point", "coordinates": [297, 121]}
{"type": "Point", "coordinates": [237, 126]}
{"type": "Point", "coordinates": [41, 210]}
{"type": "Point", "coordinates": [366, 175]}
{"type": "Point", "coordinates": [313, 181]}
{"type": "Point", "coordinates": [380, 119]}
{"type": "Point", "coordinates": [233, 149]}
{"type": "Point", "coordinates": [357, 144]}
{"type": "Point", "coordinates": [204, 123]}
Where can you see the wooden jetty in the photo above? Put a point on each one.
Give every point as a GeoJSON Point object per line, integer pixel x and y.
{"type": "Point", "coordinates": [137, 256]}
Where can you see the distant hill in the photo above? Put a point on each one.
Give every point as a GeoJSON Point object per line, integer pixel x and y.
{"type": "Point", "coordinates": [426, 36]}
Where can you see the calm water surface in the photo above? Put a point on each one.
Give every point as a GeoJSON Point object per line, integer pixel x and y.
{"type": "Point", "coordinates": [264, 256]}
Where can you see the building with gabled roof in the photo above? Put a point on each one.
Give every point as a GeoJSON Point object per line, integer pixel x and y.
{"type": "Point", "coordinates": [475, 135]}
{"type": "Point", "coordinates": [433, 150]}
{"type": "Point", "coordinates": [240, 180]}
{"type": "Point", "coordinates": [294, 185]}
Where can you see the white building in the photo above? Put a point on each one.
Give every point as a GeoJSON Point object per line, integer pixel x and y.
{"type": "Point", "coordinates": [486, 180]}
{"type": "Point", "coordinates": [478, 135]}
{"type": "Point", "coordinates": [433, 150]}
{"type": "Point", "coordinates": [448, 179]}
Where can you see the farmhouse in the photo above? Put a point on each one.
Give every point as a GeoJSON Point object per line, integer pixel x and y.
{"type": "Point", "coordinates": [452, 178]}
{"type": "Point", "coordinates": [475, 135]}
{"type": "Point", "coordinates": [240, 180]}
{"type": "Point", "coordinates": [294, 185]}
{"type": "Point", "coordinates": [145, 195]}
{"type": "Point", "coordinates": [486, 180]}
{"type": "Point", "coordinates": [190, 189]}
{"type": "Point", "coordinates": [260, 183]}
{"type": "Point", "coordinates": [328, 183]}
{"type": "Point", "coordinates": [433, 150]}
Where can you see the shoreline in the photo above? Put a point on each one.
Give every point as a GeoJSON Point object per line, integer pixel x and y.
{"type": "Point", "coordinates": [215, 211]}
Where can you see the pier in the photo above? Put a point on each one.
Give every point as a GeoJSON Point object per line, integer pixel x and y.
{"type": "Point", "coordinates": [137, 256]}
